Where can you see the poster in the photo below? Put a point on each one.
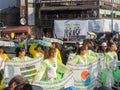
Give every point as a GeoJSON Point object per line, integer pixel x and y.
{"type": "Point", "coordinates": [70, 28]}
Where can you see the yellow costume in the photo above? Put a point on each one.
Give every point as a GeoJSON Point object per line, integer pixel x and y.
{"type": "Point", "coordinates": [33, 52]}
{"type": "Point", "coordinates": [59, 55]}
{"type": "Point", "coordinates": [6, 58]}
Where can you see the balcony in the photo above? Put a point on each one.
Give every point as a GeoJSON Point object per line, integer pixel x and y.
{"type": "Point", "coordinates": [68, 4]}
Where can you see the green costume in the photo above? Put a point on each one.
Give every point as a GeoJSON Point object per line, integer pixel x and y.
{"type": "Point", "coordinates": [26, 58]}
{"type": "Point", "coordinates": [111, 69]}
{"type": "Point", "coordinates": [48, 71]}
{"type": "Point", "coordinates": [94, 54]}
{"type": "Point", "coordinates": [79, 60]}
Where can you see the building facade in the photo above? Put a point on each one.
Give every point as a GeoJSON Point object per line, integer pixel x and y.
{"type": "Point", "coordinates": [42, 13]}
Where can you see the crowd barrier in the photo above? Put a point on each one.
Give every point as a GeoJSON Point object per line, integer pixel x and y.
{"type": "Point", "coordinates": [27, 68]}
{"type": "Point", "coordinates": [88, 76]}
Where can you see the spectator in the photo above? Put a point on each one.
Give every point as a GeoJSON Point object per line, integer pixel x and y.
{"type": "Point", "coordinates": [65, 53]}
{"type": "Point", "coordinates": [77, 45]}
{"type": "Point", "coordinates": [102, 37]}
{"type": "Point", "coordinates": [23, 87]}
{"type": "Point", "coordinates": [103, 48]}
{"type": "Point", "coordinates": [21, 43]}
{"type": "Point", "coordinates": [17, 80]}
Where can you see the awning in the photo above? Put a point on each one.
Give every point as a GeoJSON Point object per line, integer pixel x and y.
{"type": "Point", "coordinates": [17, 29]}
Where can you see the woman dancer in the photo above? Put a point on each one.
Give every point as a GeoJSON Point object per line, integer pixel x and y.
{"type": "Point", "coordinates": [49, 67]}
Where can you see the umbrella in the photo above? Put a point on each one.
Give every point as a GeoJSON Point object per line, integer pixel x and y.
{"type": "Point", "coordinates": [41, 42]}
{"type": "Point", "coordinates": [53, 40]}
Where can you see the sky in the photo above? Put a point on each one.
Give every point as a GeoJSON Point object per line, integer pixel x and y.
{"type": "Point", "coordinates": [7, 3]}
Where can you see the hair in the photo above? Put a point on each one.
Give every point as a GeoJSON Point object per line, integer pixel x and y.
{"type": "Point", "coordinates": [23, 87]}
{"type": "Point", "coordinates": [49, 52]}
{"type": "Point", "coordinates": [1, 47]}
{"type": "Point", "coordinates": [57, 45]}
{"type": "Point", "coordinates": [1, 75]}
{"type": "Point", "coordinates": [38, 46]}
{"type": "Point", "coordinates": [7, 88]}
{"type": "Point", "coordinates": [80, 49]}
{"type": "Point", "coordinates": [18, 50]}
{"type": "Point", "coordinates": [110, 44]}
{"type": "Point", "coordinates": [19, 79]}
{"type": "Point", "coordinates": [53, 42]}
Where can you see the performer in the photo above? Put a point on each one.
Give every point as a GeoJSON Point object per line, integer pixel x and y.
{"type": "Point", "coordinates": [3, 57]}
{"type": "Point", "coordinates": [36, 50]}
{"type": "Point", "coordinates": [54, 45]}
{"type": "Point", "coordinates": [20, 55]}
{"type": "Point", "coordinates": [49, 67]}
{"type": "Point", "coordinates": [91, 52]}
{"type": "Point", "coordinates": [82, 57]}
{"type": "Point", "coordinates": [111, 72]}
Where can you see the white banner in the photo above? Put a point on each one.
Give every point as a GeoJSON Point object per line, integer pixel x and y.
{"type": "Point", "coordinates": [70, 28]}
{"type": "Point", "coordinates": [65, 82]}
{"type": "Point", "coordinates": [92, 70]}
{"type": "Point", "coordinates": [116, 25]}
{"type": "Point", "coordinates": [96, 25]}
{"type": "Point", "coordinates": [107, 25]}
{"type": "Point", "coordinates": [28, 69]}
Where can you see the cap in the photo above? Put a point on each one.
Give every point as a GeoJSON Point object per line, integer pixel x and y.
{"type": "Point", "coordinates": [104, 44]}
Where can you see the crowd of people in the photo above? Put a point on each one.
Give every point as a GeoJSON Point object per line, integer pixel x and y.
{"type": "Point", "coordinates": [56, 57]}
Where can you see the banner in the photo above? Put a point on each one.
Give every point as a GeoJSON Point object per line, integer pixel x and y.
{"type": "Point", "coordinates": [96, 26]}
{"type": "Point", "coordinates": [66, 81]}
{"type": "Point", "coordinates": [7, 44]}
{"type": "Point", "coordinates": [116, 25]}
{"type": "Point", "coordinates": [27, 68]}
{"type": "Point", "coordinates": [70, 28]}
{"type": "Point", "coordinates": [73, 29]}
{"type": "Point", "coordinates": [88, 76]}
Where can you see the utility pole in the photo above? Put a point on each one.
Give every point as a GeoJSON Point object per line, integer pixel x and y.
{"type": "Point", "coordinates": [112, 16]}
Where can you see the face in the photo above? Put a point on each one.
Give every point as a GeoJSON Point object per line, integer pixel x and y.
{"type": "Point", "coordinates": [83, 52]}
{"type": "Point", "coordinates": [39, 49]}
{"type": "Point", "coordinates": [55, 54]}
{"type": "Point", "coordinates": [86, 47]}
{"type": "Point", "coordinates": [112, 47]}
{"type": "Point", "coordinates": [104, 47]}
{"type": "Point", "coordinates": [13, 85]}
{"type": "Point", "coordinates": [53, 45]}
{"type": "Point", "coordinates": [65, 46]}
{"type": "Point", "coordinates": [22, 53]}
{"type": "Point", "coordinates": [1, 50]}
